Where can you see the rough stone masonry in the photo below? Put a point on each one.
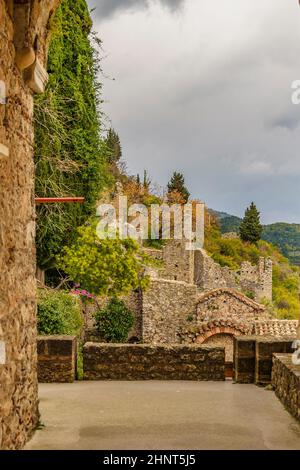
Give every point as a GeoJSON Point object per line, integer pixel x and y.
{"type": "Point", "coordinates": [24, 28]}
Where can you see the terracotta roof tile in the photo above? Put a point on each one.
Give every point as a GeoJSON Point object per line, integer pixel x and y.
{"type": "Point", "coordinates": [277, 328]}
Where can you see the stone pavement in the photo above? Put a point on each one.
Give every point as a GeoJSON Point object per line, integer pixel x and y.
{"type": "Point", "coordinates": [162, 415]}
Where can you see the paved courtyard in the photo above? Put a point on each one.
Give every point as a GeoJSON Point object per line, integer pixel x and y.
{"type": "Point", "coordinates": [162, 415]}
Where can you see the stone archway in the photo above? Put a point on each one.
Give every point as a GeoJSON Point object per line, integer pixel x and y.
{"type": "Point", "coordinates": [221, 337]}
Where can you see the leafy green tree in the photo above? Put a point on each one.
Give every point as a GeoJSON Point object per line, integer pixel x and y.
{"type": "Point", "coordinates": [251, 228]}
{"type": "Point", "coordinates": [70, 156]}
{"type": "Point", "coordinates": [177, 185]}
{"type": "Point", "coordinates": [115, 321]}
{"type": "Point", "coordinates": [104, 266]}
{"type": "Point", "coordinates": [114, 147]}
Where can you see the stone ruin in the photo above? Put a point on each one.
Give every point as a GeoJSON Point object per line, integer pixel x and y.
{"type": "Point", "coordinates": [197, 267]}
{"type": "Point", "coordinates": [192, 299]}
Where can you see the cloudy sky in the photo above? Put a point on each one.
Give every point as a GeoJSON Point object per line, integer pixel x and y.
{"type": "Point", "coordinates": [204, 87]}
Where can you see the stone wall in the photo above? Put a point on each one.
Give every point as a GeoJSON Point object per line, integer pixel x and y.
{"type": "Point", "coordinates": [221, 340]}
{"type": "Point", "coordinates": [244, 359]}
{"type": "Point", "coordinates": [264, 350]}
{"type": "Point", "coordinates": [57, 359]}
{"type": "Point", "coordinates": [209, 275]}
{"type": "Point", "coordinates": [256, 280]}
{"type": "Point", "coordinates": [178, 262]}
{"type": "Point", "coordinates": [149, 362]}
{"type": "Point", "coordinates": [167, 307]}
{"type": "Point", "coordinates": [21, 25]}
{"type": "Point", "coordinates": [253, 356]}
{"type": "Point", "coordinates": [197, 267]}
{"type": "Point", "coordinates": [227, 303]}
{"type": "Point", "coordinates": [133, 301]}
{"type": "Point", "coordinates": [286, 382]}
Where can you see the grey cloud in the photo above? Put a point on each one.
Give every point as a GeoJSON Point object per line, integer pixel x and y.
{"type": "Point", "coordinates": [289, 122]}
{"type": "Point", "coordinates": [107, 8]}
{"type": "Point", "coordinates": [217, 106]}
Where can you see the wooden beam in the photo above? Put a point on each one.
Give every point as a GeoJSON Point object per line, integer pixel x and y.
{"type": "Point", "coordinates": [59, 200]}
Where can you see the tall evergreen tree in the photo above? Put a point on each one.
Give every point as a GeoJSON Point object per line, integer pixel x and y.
{"type": "Point", "coordinates": [70, 156]}
{"type": "Point", "coordinates": [146, 181]}
{"type": "Point", "coordinates": [177, 185]}
{"type": "Point", "coordinates": [251, 228]}
{"type": "Point", "coordinates": [114, 147]}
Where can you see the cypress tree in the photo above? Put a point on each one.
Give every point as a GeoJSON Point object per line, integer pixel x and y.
{"type": "Point", "coordinates": [177, 185]}
{"type": "Point", "coordinates": [251, 228]}
{"type": "Point", "coordinates": [114, 147]}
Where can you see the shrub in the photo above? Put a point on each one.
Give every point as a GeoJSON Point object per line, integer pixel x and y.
{"type": "Point", "coordinates": [114, 321]}
{"type": "Point", "coordinates": [58, 313]}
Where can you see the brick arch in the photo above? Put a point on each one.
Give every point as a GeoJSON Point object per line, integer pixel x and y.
{"type": "Point", "coordinates": [202, 337]}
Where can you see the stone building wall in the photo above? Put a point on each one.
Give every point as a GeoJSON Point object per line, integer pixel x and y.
{"type": "Point", "coordinates": [167, 306]}
{"type": "Point", "coordinates": [178, 262]}
{"type": "Point", "coordinates": [221, 340]}
{"type": "Point", "coordinates": [22, 24]}
{"type": "Point", "coordinates": [229, 304]}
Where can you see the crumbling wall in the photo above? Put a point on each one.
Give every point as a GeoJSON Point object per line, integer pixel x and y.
{"type": "Point", "coordinates": [256, 280]}
{"type": "Point", "coordinates": [210, 275]}
{"type": "Point", "coordinates": [178, 262]}
{"type": "Point", "coordinates": [167, 306]}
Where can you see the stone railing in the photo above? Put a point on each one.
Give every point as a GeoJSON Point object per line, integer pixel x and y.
{"type": "Point", "coordinates": [253, 355]}
{"type": "Point", "coordinates": [57, 358]}
{"type": "Point", "coordinates": [151, 362]}
{"type": "Point", "coordinates": [286, 382]}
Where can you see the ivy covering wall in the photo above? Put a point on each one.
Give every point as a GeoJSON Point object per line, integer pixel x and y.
{"type": "Point", "coordinates": [70, 156]}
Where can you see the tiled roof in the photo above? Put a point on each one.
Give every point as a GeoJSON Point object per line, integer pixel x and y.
{"type": "Point", "coordinates": [277, 328]}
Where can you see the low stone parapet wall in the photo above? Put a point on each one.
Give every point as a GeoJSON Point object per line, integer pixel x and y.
{"type": "Point", "coordinates": [57, 358]}
{"type": "Point", "coordinates": [265, 348]}
{"type": "Point", "coordinates": [286, 382]}
{"type": "Point", "coordinates": [151, 362]}
{"type": "Point", "coordinates": [244, 359]}
{"type": "Point", "coordinates": [253, 357]}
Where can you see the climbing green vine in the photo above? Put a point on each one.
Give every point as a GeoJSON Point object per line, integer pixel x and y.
{"type": "Point", "coordinates": [70, 156]}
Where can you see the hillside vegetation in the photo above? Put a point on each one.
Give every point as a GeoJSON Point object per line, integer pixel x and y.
{"type": "Point", "coordinates": [284, 236]}
{"type": "Point", "coordinates": [232, 252]}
